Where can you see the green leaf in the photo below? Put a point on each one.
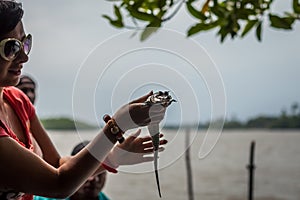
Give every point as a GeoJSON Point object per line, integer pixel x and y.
{"type": "Point", "coordinates": [147, 32]}
{"type": "Point", "coordinates": [150, 29]}
{"type": "Point", "coordinates": [197, 14]}
{"type": "Point", "coordinates": [244, 13]}
{"type": "Point", "coordinates": [249, 26]}
{"type": "Point", "coordinates": [115, 23]}
{"type": "Point", "coordinates": [281, 22]}
{"type": "Point", "coordinates": [201, 27]}
{"type": "Point", "coordinates": [107, 17]}
{"type": "Point", "coordinates": [195, 29]}
{"type": "Point", "coordinates": [118, 13]}
{"type": "Point", "coordinates": [296, 6]}
{"type": "Point", "coordinates": [219, 11]}
{"type": "Point", "coordinates": [140, 15]}
{"type": "Point", "coordinates": [223, 32]}
{"type": "Point", "coordinates": [162, 3]}
{"type": "Point", "coordinates": [258, 31]}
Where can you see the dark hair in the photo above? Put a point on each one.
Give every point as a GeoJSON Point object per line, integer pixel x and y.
{"type": "Point", "coordinates": [23, 80]}
{"type": "Point", "coordinates": [11, 13]}
{"type": "Point", "coordinates": [78, 147]}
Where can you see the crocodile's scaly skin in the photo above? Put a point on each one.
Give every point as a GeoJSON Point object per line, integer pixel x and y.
{"type": "Point", "coordinates": [164, 99]}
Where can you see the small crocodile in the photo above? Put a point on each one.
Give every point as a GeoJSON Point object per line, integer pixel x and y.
{"type": "Point", "coordinates": [164, 99]}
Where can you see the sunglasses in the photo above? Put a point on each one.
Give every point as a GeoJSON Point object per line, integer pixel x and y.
{"type": "Point", "coordinates": [10, 48]}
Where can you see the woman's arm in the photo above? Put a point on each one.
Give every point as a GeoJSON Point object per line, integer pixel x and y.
{"type": "Point", "coordinates": [21, 170]}
{"type": "Point", "coordinates": [49, 152]}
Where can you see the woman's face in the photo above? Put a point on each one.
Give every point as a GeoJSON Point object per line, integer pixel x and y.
{"type": "Point", "coordinates": [10, 71]}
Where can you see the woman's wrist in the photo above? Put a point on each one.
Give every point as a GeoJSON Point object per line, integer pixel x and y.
{"type": "Point", "coordinates": [110, 164]}
{"type": "Point", "coordinates": [108, 134]}
{"type": "Point", "coordinates": [113, 129]}
{"type": "Point", "coordinates": [102, 144]}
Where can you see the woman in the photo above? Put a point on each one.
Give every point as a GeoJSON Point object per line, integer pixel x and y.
{"type": "Point", "coordinates": [23, 173]}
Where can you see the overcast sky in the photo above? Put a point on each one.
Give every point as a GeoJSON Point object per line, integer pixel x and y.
{"type": "Point", "coordinates": [259, 77]}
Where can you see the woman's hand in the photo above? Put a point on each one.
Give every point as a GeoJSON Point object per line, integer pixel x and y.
{"type": "Point", "coordinates": [133, 150]}
{"type": "Point", "coordinates": [137, 113]}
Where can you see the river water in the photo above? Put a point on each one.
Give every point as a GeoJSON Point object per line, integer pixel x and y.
{"type": "Point", "coordinates": [222, 175]}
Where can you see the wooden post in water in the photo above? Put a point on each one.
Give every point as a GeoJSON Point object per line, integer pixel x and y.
{"type": "Point", "coordinates": [188, 166]}
{"type": "Point", "coordinates": [251, 168]}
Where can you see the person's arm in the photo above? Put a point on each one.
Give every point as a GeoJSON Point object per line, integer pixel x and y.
{"type": "Point", "coordinates": [23, 171]}
{"type": "Point", "coordinates": [48, 149]}
{"type": "Point", "coordinates": [49, 152]}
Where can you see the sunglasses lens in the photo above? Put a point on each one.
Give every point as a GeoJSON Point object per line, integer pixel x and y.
{"type": "Point", "coordinates": [11, 49]}
{"type": "Point", "coordinates": [27, 44]}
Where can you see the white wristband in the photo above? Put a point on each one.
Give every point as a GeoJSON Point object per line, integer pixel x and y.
{"type": "Point", "coordinates": [100, 146]}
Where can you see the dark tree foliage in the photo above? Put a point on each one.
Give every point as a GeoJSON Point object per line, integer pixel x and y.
{"type": "Point", "coordinates": [229, 17]}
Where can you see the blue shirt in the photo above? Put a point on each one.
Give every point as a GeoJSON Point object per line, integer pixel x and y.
{"type": "Point", "coordinates": [101, 196]}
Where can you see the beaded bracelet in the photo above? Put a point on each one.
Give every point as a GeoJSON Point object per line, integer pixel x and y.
{"type": "Point", "coordinates": [114, 128]}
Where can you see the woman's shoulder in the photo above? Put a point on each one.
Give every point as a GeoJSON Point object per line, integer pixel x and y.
{"type": "Point", "coordinates": [13, 91]}
{"type": "Point", "coordinates": [14, 95]}
{"type": "Point", "coordinates": [19, 101]}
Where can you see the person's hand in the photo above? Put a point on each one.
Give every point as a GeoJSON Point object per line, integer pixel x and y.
{"type": "Point", "coordinates": [137, 113]}
{"type": "Point", "coordinates": [133, 150]}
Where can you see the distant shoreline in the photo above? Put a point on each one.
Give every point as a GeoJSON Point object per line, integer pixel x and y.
{"type": "Point", "coordinates": [284, 122]}
{"type": "Point", "coordinates": [65, 123]}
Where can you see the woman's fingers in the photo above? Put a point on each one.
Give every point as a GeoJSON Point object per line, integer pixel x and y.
{"type": "Point", "coordinates": [148, 138]}
{"type": "Point", "coordinates": [148, 146]}
{"type": "Point", "coordinates": [150, 150]}
{"type": "Point", "coordinates": [134, 135]}
{"type": "Point", "coordinates": [142, 99]}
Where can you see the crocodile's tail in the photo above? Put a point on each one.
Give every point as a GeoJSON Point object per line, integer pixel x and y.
{"type": "Point", "coordinates": [156, 172]}
{"type": "Point", "coordinates": [155, 141]}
